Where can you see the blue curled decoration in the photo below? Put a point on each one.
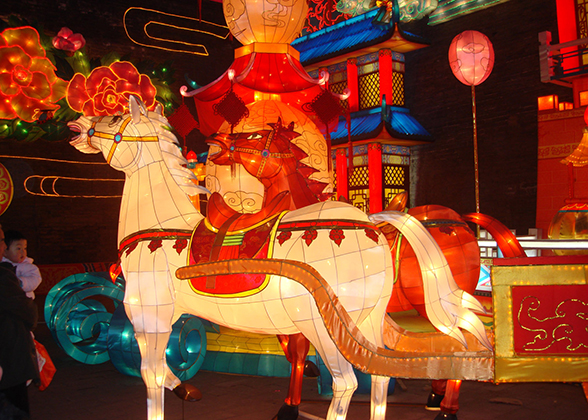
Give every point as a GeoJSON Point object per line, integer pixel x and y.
{"type": "Point", "coordinates": [92, 329]}
{"type": "Point", "coordinates": [185, 351]}
{"type": "Point", "coordinates": [186, 348]}
{"type": "Point", "coordinates": [78, 321]}
{"type": "Point", "coordinates": [122, 345]}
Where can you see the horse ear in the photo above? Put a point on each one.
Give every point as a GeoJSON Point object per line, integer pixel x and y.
{"type": "Point", "coordinates": [135, 109]}
{"type": "Point", "coordinates": [159, 109]}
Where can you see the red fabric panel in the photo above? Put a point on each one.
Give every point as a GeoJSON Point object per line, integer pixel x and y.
{"type": "Point", "coordinates": [550, 319]}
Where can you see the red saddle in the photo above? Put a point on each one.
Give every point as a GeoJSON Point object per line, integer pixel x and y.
{"type": "Point", "coordinates": [232, 241]}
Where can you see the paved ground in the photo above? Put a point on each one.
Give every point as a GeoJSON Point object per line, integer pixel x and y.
{"type": "Point", "coordinates": [100, 392]}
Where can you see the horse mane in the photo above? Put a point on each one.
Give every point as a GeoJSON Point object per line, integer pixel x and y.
{"type": "Point", "coordinates": [173, 158]}
{"type": "Point", "coordinates": [303, 170]}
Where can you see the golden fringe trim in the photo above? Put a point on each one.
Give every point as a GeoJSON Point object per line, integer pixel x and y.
{"type": "Point", "coordinates": [454, 362]}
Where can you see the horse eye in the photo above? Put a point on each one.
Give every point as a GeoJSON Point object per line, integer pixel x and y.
{"type": "Point", "coordinates": [115, 120]}
{"type": "Point", "coordinates": [254, 136]}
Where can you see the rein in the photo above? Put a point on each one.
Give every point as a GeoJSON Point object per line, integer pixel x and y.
{"type": "Point", "coordinates": [117, 137]}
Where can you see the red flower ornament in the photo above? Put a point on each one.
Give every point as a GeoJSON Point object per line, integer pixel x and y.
{"type": "Point", "coordinates": [284, 236]}
{"type": "Point", "coordinates": [28, 84]}
{"type": "Point", "coordinates": [180, 245]}
{"type": "Point", "coordinates": [337, 236]}
{"type": "Point", "coordinates": [154, 245]}
{"type": "Point", "coordinates": [106, 90]}
{"type": "Point", "coordinates": [309, 236]}
{"type": "Point", "coordinates": [66, 40]}
{"type": "Point", "coordinates": [370, 233]}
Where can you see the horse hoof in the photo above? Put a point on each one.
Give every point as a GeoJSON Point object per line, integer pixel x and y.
{"type": "Point", "coordinates": [310, 370]}
{"type": "Point", "coordinates": [188, 392]}
{"type": "Point", "coordinates": [287, 412]}
{"type": "Point", "coordinates": [446, 416]}
{"type": "Point", "coordinates": [434, 402]}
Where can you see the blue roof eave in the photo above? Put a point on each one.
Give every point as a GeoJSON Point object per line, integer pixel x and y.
{"type": "Point", "coordinates": [369, 124]}
{"type": "Point", "coordinates": [347, 36]}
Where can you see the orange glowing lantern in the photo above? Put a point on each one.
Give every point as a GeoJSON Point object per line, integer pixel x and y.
{"type": "Point", "coordinates": [106, 90]}
{"type": "Point", "coordinates": [471, 57]}
{"type": "Point", "coordinates": [6, 189]}
{"type": "Point", "coordinates": [570, 222]}
{"type": "Point", "coordinates": [459, 246]}
{"type": "Point", "coordinates": [28, 84]}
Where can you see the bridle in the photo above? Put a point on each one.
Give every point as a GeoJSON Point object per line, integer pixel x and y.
{"type": "Point", "coordinates": [264, 153]}
{"type": "Point", "coordinates": [117, 137]}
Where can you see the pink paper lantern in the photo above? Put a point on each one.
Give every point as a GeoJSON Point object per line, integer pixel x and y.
{"type": "Point", "coordinates": [471, 57]}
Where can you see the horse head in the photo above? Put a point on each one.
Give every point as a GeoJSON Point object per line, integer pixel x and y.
{"type": "Point", "coordinates": [119, 138]}
{"type": "Point", "coordinates": [263, 153]}
{"type": "Point", "coordinates": [122, 139]}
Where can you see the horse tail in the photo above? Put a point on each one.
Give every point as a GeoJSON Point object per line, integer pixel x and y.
{"type": "Point", "coordinates": [353, 345]}
{"type": "Point", "coordinates": [507, 242]}
{"type": "Point", "coordinates": [447, 306]}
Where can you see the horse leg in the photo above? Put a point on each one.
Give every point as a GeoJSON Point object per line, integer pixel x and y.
{"type": "Point", "coordinates": [450, 403]}
{"type": "Point", "coordinates": [372, 329]}
{"type": "Point", "coordinates": [444, 397]}
{"type": "Point", "coordinates": [379, 397]}
{"type": "Point", "coordinates": [344, 380]}
{"type": "Point", "coordinates": [344, 385]}
{"type": "Point", "coordinates": [296, 348]}
{"type": "Point", "coordinates": [152, 326]}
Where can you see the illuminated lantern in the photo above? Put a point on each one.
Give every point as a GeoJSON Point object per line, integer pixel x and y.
{"type": "Point", "coordinates": [459, 246]}
{"type": "Point", "coordinates": [106, 91]}
{"type": "Point", "coordinates": [6, 189]}
{"type": "Point", "coordinates": [66, 40]}
{"type": "Point", "coordinates": [471, 57]}
{"type": "Point", "coordinates": [570, 222]}
{"type": "Point", "coordinates": [28, 84]}
{"type": "Point", "coordinates": [265, 21]}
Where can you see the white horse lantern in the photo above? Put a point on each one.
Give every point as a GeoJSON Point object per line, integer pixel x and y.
{"type": "Point", "coordinates": [342, 316]}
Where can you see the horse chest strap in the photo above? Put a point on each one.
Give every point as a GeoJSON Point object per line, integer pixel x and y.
{"type": "Point", "coordinates": [129, 243]}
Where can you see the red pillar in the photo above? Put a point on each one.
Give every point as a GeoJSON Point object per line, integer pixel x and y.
{"type": "Point", "coordinates": [385, 65]}
{"type": "Point", "coordinates": [353, 85]}
{"type": "Point", "coordinates": [375, 177]}
{"type": "Point", "coordinates": [567, 28]}
{"type": "Point", "coordinates": [342, 184]}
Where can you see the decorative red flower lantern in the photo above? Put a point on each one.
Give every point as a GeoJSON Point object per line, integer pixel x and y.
{"type": "Point", "coordinates": [471, 57]}
{"type": "Point", "coordinates": [66, 40]}
{"type": "Point", "coordinates": [106, 90]}
{"type": "Point", "coordinates": [28, 84]}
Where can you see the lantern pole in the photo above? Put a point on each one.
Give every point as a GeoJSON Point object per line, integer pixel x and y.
{"type": "Point", "coordinates": [476, 174]}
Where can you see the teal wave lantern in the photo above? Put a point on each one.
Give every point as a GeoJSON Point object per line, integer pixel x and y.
{"type": "Point", "coordinates": [185, 351]}
{"type": "Point", "coordinates": [78, 311]}
{"type": "Point", "coordinates": [86, 318]}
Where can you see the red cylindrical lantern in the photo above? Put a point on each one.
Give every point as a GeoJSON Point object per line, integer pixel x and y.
{"type": "Point", "coordinates": [471, 57]}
